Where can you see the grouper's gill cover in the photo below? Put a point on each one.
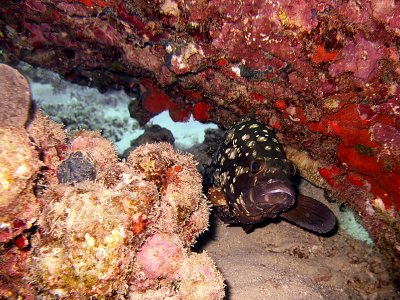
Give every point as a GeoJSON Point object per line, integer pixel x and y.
{"type": "Point", "coordinates": [250, 180]}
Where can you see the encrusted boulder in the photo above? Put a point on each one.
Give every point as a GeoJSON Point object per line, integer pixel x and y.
{"type": "Point", "coordinates": [76, 222]}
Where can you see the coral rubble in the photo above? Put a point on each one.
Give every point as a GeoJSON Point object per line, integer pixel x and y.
{"type": "Point", "coordinates": [324, 74]}
{"type": "Point", "coordinates": [76, 222]}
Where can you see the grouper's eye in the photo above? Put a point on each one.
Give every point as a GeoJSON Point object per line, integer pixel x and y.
{"type": "Point", "coordinates": [292, 169]}
{"type": "Point", "coordinates": [255, 166]}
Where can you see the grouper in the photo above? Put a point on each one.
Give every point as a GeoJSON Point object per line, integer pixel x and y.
{"type": "Point", "coordinates": [250, 180]}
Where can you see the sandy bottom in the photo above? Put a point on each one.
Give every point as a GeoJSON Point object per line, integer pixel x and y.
{"type": "Point", "coordinates": [282, 261]}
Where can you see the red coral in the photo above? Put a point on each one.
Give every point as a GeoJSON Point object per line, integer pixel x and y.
{"type": "Point", "coordinates": [179, 113]}
{"type": "Point", "coordinates": [91, 3]}
{"type": "Point", "coordinates": [201, 111]}
{"type": "Point", "coordinates": [258, 97]}
{"type": "Point", "coordinates": [321, 55]}
{"type": "Point", "coordinates": [351, 135]}
{"type": "Point", "coordinates": [281, 104]}
{"type": "Point", "coordinates": [21, 242]}
{"type": "Point", "coordinates": [356, 180]}
{"type": "Point", "coordinates": [275, 122]}
{"type": "Point", "coordinates": [222, 62]}
{"type": "Point", "coordinates": [153, 99]}
{"type": "Point", "coordinates": [139, 224]}
{"type": "Point", "coordinates": [384, 184]}
{"type": "Point", "coordinates": [329, 174]}
{"type": "Point", "coordinates": [347, 124]}
{"type": "Point", "coordinates": [194, 95]}
{"type": "Point", "coordinates": [369, 144]}
{"type": "Point", "coordinates": [357, 161]}
{"type": "Point", "coordinates": [296, 114]}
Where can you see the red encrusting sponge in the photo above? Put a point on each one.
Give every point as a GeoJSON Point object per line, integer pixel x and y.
{"type": "Point", "coordinates": [201, 111]}
{"type": "Point", "coordinates": [154, 100]}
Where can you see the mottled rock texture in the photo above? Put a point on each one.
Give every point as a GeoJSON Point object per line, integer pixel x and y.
{"type": "Point", "coordinates": [324, 74]}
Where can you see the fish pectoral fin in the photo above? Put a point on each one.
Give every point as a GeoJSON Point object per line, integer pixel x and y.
{"type": "Point", "coordinates": [311, 214]}
{"type": "Point", "coordinates": [217, 197]}
{"type": "Point", "coordinates": [247, 227]}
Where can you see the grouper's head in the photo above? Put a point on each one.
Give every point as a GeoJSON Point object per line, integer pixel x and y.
{"type": "Point", "coordinates": [265, 191]}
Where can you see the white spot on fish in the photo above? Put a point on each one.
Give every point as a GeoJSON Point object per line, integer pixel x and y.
{"type": "Point", "coordinates": [254, 153]}
{"type": "Point", "coordinates": [232, 188]}
{"type": "Point", "coordinates": [268, 148]}
{"type": "Point", "coordinates": [261, 139]}
{"type": "Point", "coordinates": [253, 126]}
{"type": "Point", "coordinates": [245, 137]}
{"type": "Point", "coordinates": [229, 136]}
{"type": "Point", "coordinates": [241, 127]}
{"type": "Point", "coordinates": [251, 144]}
{"type": "Point", "coordinates": [232, 153]}
{"type": "Point", "coordinates": [238, 171]}
{"type": "Point", "coordinates": [278, 149]}
{"type": "Point", "coordinates": [223, 178]}
{"type": "Point", "coordinates": [275, 140]}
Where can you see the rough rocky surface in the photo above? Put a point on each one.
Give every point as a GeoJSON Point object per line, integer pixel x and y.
{"type": "Point", "coordinates": [14, 89]}
{"type": "Point", "coordinates": [78, 223]}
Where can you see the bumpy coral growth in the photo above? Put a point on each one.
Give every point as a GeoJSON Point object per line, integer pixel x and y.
{"type": "Point", "coordinates": [19, 164]}
{"type": "Point", "coordinates": [19, 161]}
{"type": "Point", "coordinates": [180, 188]}
{"type": "Point", "coordinates": [85, 224]}
{"type": "Point", "coordinates": [95, 222]}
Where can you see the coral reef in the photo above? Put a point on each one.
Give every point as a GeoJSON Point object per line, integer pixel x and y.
{"type": "Point", "coordinates": [79, 107]}
{"type": "Point", "coordinates": [87, 225]}
{"type": "Point", "coordinates": [152, 134]}
{"type": "Point", "coordinates": [324, 74]}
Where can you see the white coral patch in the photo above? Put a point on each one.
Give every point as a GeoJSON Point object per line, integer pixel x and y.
{"type": "Point", "coordinates": [170, 8]}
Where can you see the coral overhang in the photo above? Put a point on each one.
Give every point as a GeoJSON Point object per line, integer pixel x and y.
{"type": "Point", "coordinates": [324, 74]}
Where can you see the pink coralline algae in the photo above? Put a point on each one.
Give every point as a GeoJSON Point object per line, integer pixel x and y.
{"type": "Point", "coordinates": [389, 136]}
{"type": "Point", "coordinates": [359, 57]}
{"type": "Point", "coordinates": [388, 12]}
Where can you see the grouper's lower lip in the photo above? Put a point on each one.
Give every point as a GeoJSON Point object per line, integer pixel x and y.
{"type": "Point", "coordinates": [268, 199]}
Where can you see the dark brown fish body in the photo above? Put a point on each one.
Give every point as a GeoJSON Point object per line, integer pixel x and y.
{"type": "Point", "coordinates": [250, 180]}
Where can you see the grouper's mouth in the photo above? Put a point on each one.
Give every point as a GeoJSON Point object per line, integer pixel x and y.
{"type": "Point", "coordinates": [267, 199]}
